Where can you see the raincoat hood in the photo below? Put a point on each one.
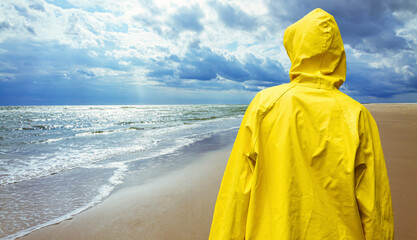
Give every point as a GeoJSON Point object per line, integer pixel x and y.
{"type": "Point", "coordinates": [315, 48]}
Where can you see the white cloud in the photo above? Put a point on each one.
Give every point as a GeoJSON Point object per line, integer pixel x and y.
{"type": "Point", "coordinates": [7, 77]}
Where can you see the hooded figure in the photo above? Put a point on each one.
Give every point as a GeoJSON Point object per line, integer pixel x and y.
{"type": "Point", "coordinates": [307, 162]}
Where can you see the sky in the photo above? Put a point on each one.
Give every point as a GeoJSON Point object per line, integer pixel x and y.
{"type": "Point", "coordinates": [55, 52]}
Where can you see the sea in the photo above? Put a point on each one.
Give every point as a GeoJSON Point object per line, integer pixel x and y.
{"type": "Point", "coordinates": [57, 161]}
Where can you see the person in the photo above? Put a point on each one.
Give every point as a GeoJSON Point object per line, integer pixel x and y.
{"type": "Point", "coordinates": [307, 162]}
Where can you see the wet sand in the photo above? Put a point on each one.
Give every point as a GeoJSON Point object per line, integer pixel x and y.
{"type": "Point", "coordinates": [179, 205]}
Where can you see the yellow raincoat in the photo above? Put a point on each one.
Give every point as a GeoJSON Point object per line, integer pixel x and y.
{"type": "Point", "coordinates": [307, 162]}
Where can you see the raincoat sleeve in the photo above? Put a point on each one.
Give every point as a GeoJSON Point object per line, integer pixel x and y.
{"type": "Point", "coordinates": [372, 187]}
{"type": "Point", "coordinates": [229, 220]}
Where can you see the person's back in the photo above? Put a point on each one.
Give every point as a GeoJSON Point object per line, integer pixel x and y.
{"type": "Point", "coordinates": [307, 162]}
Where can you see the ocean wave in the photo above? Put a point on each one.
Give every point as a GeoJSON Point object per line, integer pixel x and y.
{"type": "Point", "coordinates": [126, 123]}
{"type": "Point", "coordinates": [50, 164]}
{"type": "Point", "coordinates": [202, 118]}
{"type": "Point", "coordinates": [88, 133]}
{"type": "Point", "coordinates": [83, 134]}
{"type": "Point", "coordinates": [135, 128]}
{"type": "Point", "coordinates": [30, 127]}
{"type": "Point", "coordinates": [103, 192]}
{"type": "Point", "coordinates": [53, 140]}
{"type": "Point", "coordinates": [105, 132]}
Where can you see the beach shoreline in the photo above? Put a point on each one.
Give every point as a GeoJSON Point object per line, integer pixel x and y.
{"type": "Point", "coordinates": [179, 204]}
{"type": "Point", "coordinates": [175, 205]}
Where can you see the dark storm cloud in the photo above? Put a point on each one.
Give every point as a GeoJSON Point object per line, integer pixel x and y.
{"type": "Point", "coordinates": [362, 85]}
{"type": "Point", "coordinates": [365, 25]}
{"type": "Point", "coordinates": [267, 71]}
{"type": "Point", "coordinates": [382, 83]}
{"type": "Point", "coordinates": [233, 17]}
{"type": "Point", "coordinates": [402, 5]}
{"type": "Point", "coordinates": [205, 65]}
{"type": "Point", "coordinates": [197, 71]}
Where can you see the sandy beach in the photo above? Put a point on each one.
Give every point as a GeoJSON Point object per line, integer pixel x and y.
{"type": "Point", "coordinates": [397, 124]}
{"type": "Point", "coordinates": [180, 203]}
{"type": "Point", "coordinates": [177, 205]}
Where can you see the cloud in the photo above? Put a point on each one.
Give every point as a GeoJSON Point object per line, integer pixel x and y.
{"type": "Point", "coordinates": [4, 25]}
{"type": "Point", "coordinates": [37, 6]}
{"type": "Point", "coordinates": [268, 71]}
{"type": "Point", "coordinates": [233, 17]}
{"type": "Point", "coordinates": [161, 73]}
{"type": "Point", "coordinates": [403, 5]}
{"type": "Point", "coordinates": [171, 25]}
{"type": "Point", "coordinates": [367, 25]}
{"type": "Point", "coordinates": [30, 30]}
{"type": "Point", "coordinates": [86, 73]}
{"type": "Point", "coordinates": [81, 49]}
{"type": "Point", "coordinates": [5, 77]}
{"type": "Point", "coordinates": [202, 64]}
{"type": "Point", "coordinates": [187, 18]}
{"type": "Point", "coordinates": [22, 11]}
{"type": "Point", "coordinates": [45, 59]}
{"type": "Point", "coordinates": [380, 81]}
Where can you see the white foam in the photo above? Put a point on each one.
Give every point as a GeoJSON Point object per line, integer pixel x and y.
{"type": "Point", "coordinates": [51, 163]}
{"type": "Point", "coordinates": [103, 192]}
{"type": "Point", "coordinates": [54, 140]}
